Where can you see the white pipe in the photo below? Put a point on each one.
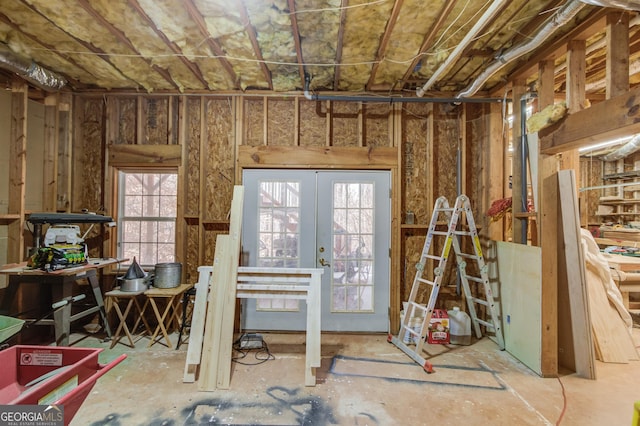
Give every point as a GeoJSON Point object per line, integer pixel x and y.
{"type": "Point", "coordinates": [564, 15]}
{"type": "Point", "coordinates": [486, 16]}
{"type": "Point", "coordinates": [629, 148]}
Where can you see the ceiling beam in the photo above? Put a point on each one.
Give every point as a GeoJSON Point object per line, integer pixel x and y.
{"type": "Point", "coordinates": [296, 38]}
{"type": "Point", "coordinates": [447, 7]}
{"type": "Point", "coordinates": [246, 23]}
{"type": "Point", "coordinates": [213, 45]}
{"type": "Point", "coordinates": [123, 39]}
{"type": "Point", "coordinates": [613, 118]}
{"type": "Point", "coordinates": [384, 41]}
{"type": "Point", "coordinates": [174, 48]}
{"type": "Point", "coordinates": [343, 19]}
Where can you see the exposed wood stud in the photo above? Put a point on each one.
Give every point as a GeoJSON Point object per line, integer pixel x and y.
{"type": "Point", "coordinates": [17, 170]}
{"type": "Point", "coordinates": [519, 89]}
{"type": "Point", "coordinates": [50, 172]}
{"type": "Point", "coordinates": [296, 129]}
{"type": "Point", "coordinates": [617, 75]}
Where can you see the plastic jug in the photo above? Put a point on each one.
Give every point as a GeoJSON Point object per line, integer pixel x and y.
{"type": "Point", "coordinates": [459, 327]}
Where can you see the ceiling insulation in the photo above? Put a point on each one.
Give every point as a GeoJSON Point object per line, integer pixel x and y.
{"type": "Point", "coordinates": [374, 46]}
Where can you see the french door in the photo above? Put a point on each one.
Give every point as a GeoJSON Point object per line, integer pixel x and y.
{"type": "Point", "coordinates": [336, 220]}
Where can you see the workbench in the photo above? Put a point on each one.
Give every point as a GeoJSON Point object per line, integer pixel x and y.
{"type": "Point", "coordinates": [61, 282]}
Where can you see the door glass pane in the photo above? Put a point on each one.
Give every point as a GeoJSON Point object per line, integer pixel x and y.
{"type": "Point", "coordinates": [352, 263]}
{"type": "Point", "coordinates": [278, 233]}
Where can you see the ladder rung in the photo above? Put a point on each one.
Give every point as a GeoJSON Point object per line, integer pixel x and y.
{"type": "Point", "coordinates": [430, 256]}
{"type": "Point", "coordinates": [439, 233]}
{"type": "Point", "coordinates": [465, 233]}
{"type": "Point", "coordinates": [444, 209]}
{"type": "Point", "coordinates": [485, 323]}
{"type": "Point", "coordinates": [468, 256]}
{"type": "Point", "coordinates": [480, 301]}
{"type": "Point", "coordinates": [423, 280]}
{"type": "Point", "coordinates": [474, 279]}
{"type": "Point", "coordinates": [418, 306]}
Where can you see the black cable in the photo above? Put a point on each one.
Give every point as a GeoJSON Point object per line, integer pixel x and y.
{"type": "Point", "coordinates": [259, 353]}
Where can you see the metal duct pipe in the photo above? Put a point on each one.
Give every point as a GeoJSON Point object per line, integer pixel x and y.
{"type": "Point", "coordinates": [29, 70]}
{"type": "Point", "coordinates": [627, 149]}
{"type": "Point", "coordinates": [620, 4]}
{"type": "Point", "coordinates": [563, 16]}
{"type": "Point", "coordinates": [486, 16]}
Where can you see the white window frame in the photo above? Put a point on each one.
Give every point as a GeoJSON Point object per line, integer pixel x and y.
{"type": "Point", "coordinates": [122, 218]}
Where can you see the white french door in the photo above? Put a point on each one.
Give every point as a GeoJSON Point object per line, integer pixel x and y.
{"type": "Point", "coordinates": [337, 220]}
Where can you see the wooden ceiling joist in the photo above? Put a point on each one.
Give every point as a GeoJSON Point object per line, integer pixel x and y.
{"type": "Point", "coordinates": [246, 23]}
{"type": "Point", "coordinates": [447, 7]}
{"type": "Point", "coordinates": [213, 45]}
{"type": "Point", "coordinates": [384, 42]}
{"type": "Point", "coordinates": [123, 39]}
{"type": "Point", "coordinates": [174, 48]}
{"type": "Point", "coordinates": [296, 39]}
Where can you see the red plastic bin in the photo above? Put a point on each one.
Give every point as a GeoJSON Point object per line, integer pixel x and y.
{"type": "Point", "coordinates": [48, 375]}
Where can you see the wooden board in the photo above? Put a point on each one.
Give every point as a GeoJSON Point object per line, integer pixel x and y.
{"type": "Point", "coordinates": [230, 276]}
{"type": "Point", "coordinates": [209, 366]}
{"type": "Point", "coordinates": [198, 319]}
{"type": "Point", "coordinates": [520, 273]}
{"type": "Point", "coordinates": [576, 276]}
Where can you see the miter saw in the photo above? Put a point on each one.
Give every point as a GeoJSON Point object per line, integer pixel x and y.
{"type": "Point", "coordinates": [63, 248]}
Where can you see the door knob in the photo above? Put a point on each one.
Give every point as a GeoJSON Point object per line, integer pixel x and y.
{"type": "Point", "coordinates": [323, 262]}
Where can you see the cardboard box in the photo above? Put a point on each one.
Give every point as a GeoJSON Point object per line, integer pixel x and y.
{"type": "Point", "coordinates": [439, 327]}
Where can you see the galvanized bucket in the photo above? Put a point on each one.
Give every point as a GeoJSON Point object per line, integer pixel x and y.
{"type": "Point", "coordinates": [167, 275]}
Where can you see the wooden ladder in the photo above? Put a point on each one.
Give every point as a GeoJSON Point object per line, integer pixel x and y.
{"type": "Point", "coordinates": [451, 216]}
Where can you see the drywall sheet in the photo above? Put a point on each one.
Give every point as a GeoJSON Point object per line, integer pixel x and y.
{"type": "Point", "coordinates": [520, 275]}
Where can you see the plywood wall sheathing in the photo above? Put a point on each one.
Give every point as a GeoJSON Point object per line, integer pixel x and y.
{"type": "Point", "coordinates": [218, 167]}
{"type": "Point", "coordinates": [344, 124]}
{"type": "Point", "coordinates": [281, 124]}
{"type": "Point", "coordinates": [253, 121]}
{"type": "Point", "coordinates": [192, 173]}
{"type": "Point", "coordinates": [312, 124]}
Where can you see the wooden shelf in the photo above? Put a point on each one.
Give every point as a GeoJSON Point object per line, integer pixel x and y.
{"type": "Point", "coordinates": [5, 219]}
{"type": "Point", "coordinates": [623, 175]}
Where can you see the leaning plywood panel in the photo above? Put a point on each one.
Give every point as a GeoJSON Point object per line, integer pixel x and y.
{"type": "Point", "coordinates": [576, 279]}
{"type": "Point", "coordinates": [520, 274]}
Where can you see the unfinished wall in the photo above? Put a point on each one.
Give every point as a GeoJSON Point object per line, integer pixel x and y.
{"type": "Point", "coordinates": [213, 127]}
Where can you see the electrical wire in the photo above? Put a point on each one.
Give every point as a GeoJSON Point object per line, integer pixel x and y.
{"type": "Point", "coordinates": [261, 354]}
{"type": "Point", "coordinates": [564, 402]}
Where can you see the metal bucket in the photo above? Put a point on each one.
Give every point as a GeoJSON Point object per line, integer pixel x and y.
{"type": "Point", "coordinates": [167, 275]}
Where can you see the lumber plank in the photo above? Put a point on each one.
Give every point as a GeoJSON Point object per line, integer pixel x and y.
{"type": "Point", "coordinates": [198, 317]}
{"type": "Point", "coordinates": [576, 279]}
{"type": "Point", "coordinates": [230, 276]}
{"type": "Point", "coordinates": [208, 366]}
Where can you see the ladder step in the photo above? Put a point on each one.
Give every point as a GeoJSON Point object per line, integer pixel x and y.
{"type": "Point", "coordinates": [485, 323]}
{"type": "Point", "coordinates": [418, 306]}
{"type": "Point", "coordinates": [439, 233]}
{"type": "Point", "coordinates": [430, 256]}
{"type": "Point", "coordinates": [426, 281]}
{"type": "Point", "coordinates": [474, 279]}
{"type": "Point", "coordinates": [444, 209]}
{"type": "Point", "coordinates": [480, 301]}
{"type": "Point", "coordinates": [463, 233]}
{"type": "Point", "coordinates": [468, 256]}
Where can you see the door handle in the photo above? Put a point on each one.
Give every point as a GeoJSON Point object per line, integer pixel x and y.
{"type": "Point", "coordinates": [323, 262]}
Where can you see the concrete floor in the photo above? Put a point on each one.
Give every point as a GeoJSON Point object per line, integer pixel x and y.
{"type": "Point", "coordinates": [363, 381]}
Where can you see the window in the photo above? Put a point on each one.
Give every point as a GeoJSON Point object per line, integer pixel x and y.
{"type": "Point", "coordinates": [147, 216]}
